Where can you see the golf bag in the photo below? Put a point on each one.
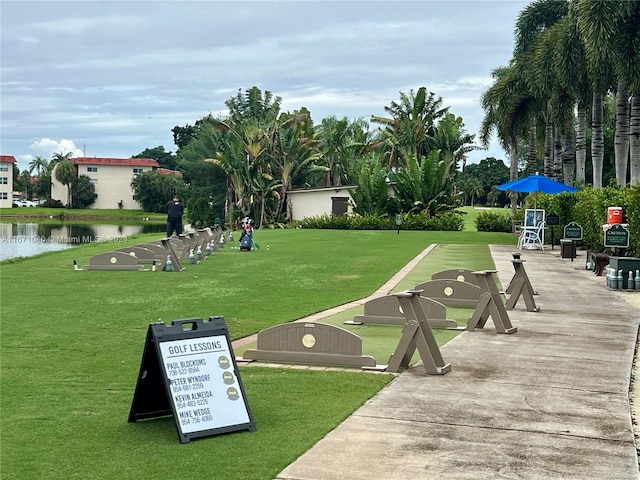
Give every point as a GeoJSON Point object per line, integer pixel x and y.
{"type": "Point", "coordinates": [246, 243]}
{"type": "Point", "coordinates": [246, 239]}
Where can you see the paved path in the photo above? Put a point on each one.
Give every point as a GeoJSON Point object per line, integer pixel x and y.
{"type": "Point", "coordinates": [548, 402]}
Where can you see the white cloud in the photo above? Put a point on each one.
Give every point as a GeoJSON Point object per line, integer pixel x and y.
{"type": "Point", "coordinates": [47, 147]}
{"type": "Point", "coordinates": [118, 76]}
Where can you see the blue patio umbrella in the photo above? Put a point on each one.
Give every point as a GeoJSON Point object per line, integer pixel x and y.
{"type": "Point", "coordinates": [536, 183]}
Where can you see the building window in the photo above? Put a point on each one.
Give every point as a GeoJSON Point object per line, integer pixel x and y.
{"type": "Point", "coordinates": [4, 180]}
{"type": "Point", "coordinates": [4, 167]}
{"type": "Point", "coordinates": [138, 170]}
{"type": "Point", "coordinates": [4, 196]}
{"type": "Point", "coordinates": [92, 169]}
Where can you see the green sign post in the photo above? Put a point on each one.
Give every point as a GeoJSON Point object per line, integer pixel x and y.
{"type": "Point", "coordinates": [573, 231]}
{"type": "Point", "coordinates": [616, 236]}
{"type": "Point", "coordinates": [552, 221]}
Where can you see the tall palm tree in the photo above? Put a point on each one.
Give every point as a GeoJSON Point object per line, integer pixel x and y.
{"type": "Point", "coordinates": [570, 67]}
{"type": "Point", "coordinates": [66, 173]}
{"type": "Point", "coordinates": [60, 157]}
{"type": "Point", "coordinates": [501, 105]}
{"type": "Point", "coordinates": [38, 164]}
{"type": "Point", "coordinates": [294, 155]}
{"type": "Point", "coordinates": [452, 140]}
{"type": "Point", "coordinates": [627, 51]}
{"type": "Point", "coordinates": [412, 122]}
{"type": "Point", "coordinates": [532, 56]}
{"type": "Point", "coordinates": [333, 137]}
{"type": "Point", "coordinates": [597, 26]}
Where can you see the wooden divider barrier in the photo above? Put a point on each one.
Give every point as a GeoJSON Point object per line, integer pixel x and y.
{"type": "Point", "coordinates": [113, 261]}
{"type": "Point", "coordinates": [459, 274]}
{"type": "Point", "coordinates": [451, 293]}
{"type": "Point", "coordinates": [387, 311]}
{"type": "Point", "coordinates": [320, 343]}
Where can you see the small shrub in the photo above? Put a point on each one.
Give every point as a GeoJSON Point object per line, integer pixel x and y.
{"type": "Point", "coordinates": [444, 222]}
{"type": "Point", "coordinates": [493, 222]}
{"type": "Point", "coordinates": [51, 203]}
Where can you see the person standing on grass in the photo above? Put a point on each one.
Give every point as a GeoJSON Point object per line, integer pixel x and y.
{"type": "Point", "coordinates": [174, 216]}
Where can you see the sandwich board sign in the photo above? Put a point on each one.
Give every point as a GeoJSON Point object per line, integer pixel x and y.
{"type": "Point", "coordinates": [188, 370]}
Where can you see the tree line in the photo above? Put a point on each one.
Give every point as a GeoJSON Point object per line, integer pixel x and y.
{"type": "Point", "coordinates": [568, 56]}
{"type": "Point", "coordinates": [243, 163]}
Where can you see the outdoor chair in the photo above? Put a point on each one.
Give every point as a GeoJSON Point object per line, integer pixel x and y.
{"type": "Point", "coordinates": [532, 238]}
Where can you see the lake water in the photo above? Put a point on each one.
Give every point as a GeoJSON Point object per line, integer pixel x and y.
{"type": "Point", "coordinates": [28, 239]}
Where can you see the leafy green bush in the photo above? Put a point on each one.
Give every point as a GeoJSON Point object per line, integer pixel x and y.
{"type": "Point", "coordinates": [444, 222]}
{"type": "Point", "coordinates": [588, 207]}
{"type": "Point", "coordinates": [51, 203]}
{"type": "Point", "coordinates": [493, 222]}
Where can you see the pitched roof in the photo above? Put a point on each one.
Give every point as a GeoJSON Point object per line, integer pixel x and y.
{"type": "Point", "coordinates": [337, 188]}
{"type": "Point", "coordinates": [166, 171]}
{"type": "Point", "coordinates": [7, 159]}
{"type": "Point", "coordinates": [121, 162]}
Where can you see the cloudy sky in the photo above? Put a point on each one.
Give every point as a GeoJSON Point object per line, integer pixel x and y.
{"type": "Point", "coordinates": [111, 78]}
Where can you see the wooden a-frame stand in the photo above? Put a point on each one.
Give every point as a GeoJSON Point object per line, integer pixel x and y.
{"type": "Point", "coordinates": [490, 305]}
{"type": "Point", "coordinates": [520, 286]}
{"type": "Point", "coordinates": [416, 334]}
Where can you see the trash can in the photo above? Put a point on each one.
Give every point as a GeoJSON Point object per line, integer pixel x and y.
{"type": "Point", "coordinates": [567, 248]}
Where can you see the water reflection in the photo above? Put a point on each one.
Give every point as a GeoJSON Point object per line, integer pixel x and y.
{"type": "Point", "coordinates": [28, 239]}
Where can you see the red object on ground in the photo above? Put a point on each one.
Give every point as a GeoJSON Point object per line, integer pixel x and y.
{"type": "Point", "coordinates": [614, 215]}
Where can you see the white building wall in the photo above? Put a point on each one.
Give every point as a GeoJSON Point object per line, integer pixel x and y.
{"type": "Point", "coordinates": [58, 190]}
{"type": "Point", "coordinates": [314, 203]}
{"type": "Point", "coordinates": [6, 189]}
{"type": "Point", "coordinates": [112, 184]}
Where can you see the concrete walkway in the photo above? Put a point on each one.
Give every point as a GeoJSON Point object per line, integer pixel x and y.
{"type": "Point", "coordinates": [550, 401]}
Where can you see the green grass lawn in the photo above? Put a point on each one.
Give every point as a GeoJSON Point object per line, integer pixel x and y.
{"type": "Point", "coordinates": [471, 213]}
{"type": "Point", "coordinates": [72, 341]}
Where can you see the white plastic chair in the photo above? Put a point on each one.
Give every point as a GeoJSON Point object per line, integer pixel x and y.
{"type": "Point", "coordinates": [532, 238]}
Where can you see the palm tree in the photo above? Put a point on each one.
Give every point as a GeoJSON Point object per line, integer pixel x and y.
{"type": "Point", "coordinates": [333, 137]}
{"type": "Point", "coordinates": [493, 196]}
{"type": "Point", "coordinates": [294, 154]}
{"type": "Point", "coordinates": [536, 32]}
{"type": "Point", "coordinates": [60, 157]}
{"type": "Point", "coordinates": [372, 177]}
{"type": "Point", "coordinates": [452, 140]}
{"type": "Point", "coordinates": [627, 51]}
{"type": "Point", "coordinates": [66, 173]}
{"type": "Point", "coordinates": [425, 187]}
{"type": "Point", "coordinates": [501, 105]}
{"type": "Point", "coordinates": [412, 123]}
{"type": "Point", "coordinates": [38, 164]}
{"type": "Point", "coordinates": [596, 23]}
{"type": "Point", "coordinates": [474, 189]}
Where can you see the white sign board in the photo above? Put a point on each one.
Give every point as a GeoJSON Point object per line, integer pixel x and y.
{"type": "Point", "coordinates": [204, 389]}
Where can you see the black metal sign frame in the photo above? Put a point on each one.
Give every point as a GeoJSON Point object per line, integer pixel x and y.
{"type": "Point", "coordinates": [188, 370]}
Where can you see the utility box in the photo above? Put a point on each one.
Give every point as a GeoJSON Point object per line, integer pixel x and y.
{"type": "Point", "coordinates": [567, 248]}
{"type": "Point", "coordinates": [625, 264]}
